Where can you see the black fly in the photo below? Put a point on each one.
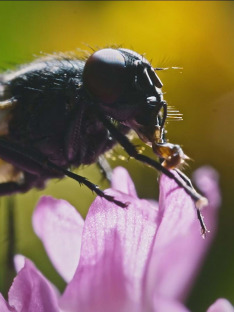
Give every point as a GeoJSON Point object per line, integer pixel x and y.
{"type": "Point", "coordinates": [61, 111]}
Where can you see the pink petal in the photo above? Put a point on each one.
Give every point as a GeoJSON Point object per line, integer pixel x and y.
{"type": "Point", "coordinates": [59, 226]}
{"type": "Point", "coordinates": [4, 306]}
{"type": "Point", "coordinates": [176, 211]}
{"type": "Point", "coordinates": [207, 180]}
{"type": "Point", "coordinates": [221, 305]}
{"type": "Point", "coordinates": [122, 182]}
{"type": "Point", "coordinates": [116, 247]}
{"type": "Point", "coordinates": [165, 305]}
{"type": "Point", "coordinates": [19, 262]}
{"type": "Point", "coordinates": [31, 291]}
{"type": "Point", "coordinates": [179, 247]}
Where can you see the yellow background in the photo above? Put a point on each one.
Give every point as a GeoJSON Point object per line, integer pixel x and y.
{"type": "Point", "coordinates": [196, 35]}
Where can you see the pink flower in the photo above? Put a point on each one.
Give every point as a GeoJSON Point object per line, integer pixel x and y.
{"type": "Point", "coordinates": [140, 259]}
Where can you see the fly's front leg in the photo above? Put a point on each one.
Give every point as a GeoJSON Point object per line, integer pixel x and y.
{"type": "Point", "coordinates": [199, 215]}
{"type": "Point", "coordinates": [172, 157]}
{"type": "Point", "coordinates": [199, 200]}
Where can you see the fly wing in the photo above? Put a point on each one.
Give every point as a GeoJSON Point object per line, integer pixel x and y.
{"type": "Point", "coordinates": [8, 173]}
{"type": "Point", "coordinates": [7, 103]}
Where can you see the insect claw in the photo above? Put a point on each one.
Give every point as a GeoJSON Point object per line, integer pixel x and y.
{"type": "Point", "coordinates": [115, 201]}
{"type": "Point", "coordinates": [204, 230]}
{"type": "Point", "coordinates": [122, 205]}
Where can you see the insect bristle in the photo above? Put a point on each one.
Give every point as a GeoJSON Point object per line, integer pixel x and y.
{"type": "Point", "coordinates": [166, 68]}
{"type": "Point", "coordinates": [161, 68]}
{"type": "Point", "coordinates": [174, 114]}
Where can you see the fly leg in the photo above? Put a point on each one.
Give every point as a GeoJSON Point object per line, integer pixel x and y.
{"type": "Point", "coordinates": [199, 200]}
{"type": "Point", "coordinates": [199, 215]}
{"type": "Point", "coordinates": [35, 163]}
{"type": "Point", "coordinates": [172, 156]}
{"type": "Point", "coordinates": [82, 180]}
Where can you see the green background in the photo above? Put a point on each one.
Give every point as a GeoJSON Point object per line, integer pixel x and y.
{"type": "Point", "coordinates": [196, 35]}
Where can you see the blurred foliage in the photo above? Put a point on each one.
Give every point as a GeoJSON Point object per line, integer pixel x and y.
{"type": "Point", "coordinates": [196, 35]}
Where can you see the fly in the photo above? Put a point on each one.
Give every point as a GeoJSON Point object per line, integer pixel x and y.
{"type": "Point", "coordinates": [61, 112]}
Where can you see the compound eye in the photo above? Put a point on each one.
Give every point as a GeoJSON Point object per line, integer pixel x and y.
{"type": "Point", "coordinates": [104, 75]}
